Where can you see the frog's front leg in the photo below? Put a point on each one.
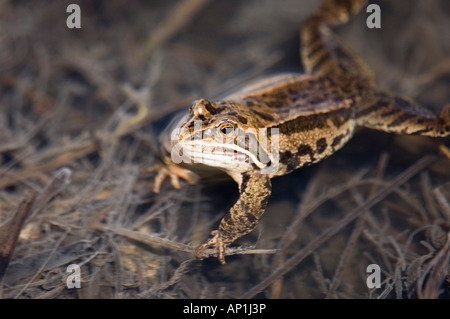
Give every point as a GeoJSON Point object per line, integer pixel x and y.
{"type": "Point", "coordinates": [174, 172]}
{"type": "Point", "coordinates": [254, 190]}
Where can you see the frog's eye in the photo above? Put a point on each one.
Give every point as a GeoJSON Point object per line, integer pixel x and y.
{"type": "Point", "coordinates": [226, 129]}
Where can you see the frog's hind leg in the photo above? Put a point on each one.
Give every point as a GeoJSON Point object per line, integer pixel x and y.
{"type": "Point", "coordinates": [322, 52]}
{"type": "Point", "coordinates": [400, 115]}
{"type": "Point", "coordinates": [255, 189]}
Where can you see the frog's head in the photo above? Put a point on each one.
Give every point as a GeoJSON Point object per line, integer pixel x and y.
{"type": "Point", "coordinates": [222, 134]}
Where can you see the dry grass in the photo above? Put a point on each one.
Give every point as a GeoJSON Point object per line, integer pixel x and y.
{"type": "Point", "coordinates": [380, 200]}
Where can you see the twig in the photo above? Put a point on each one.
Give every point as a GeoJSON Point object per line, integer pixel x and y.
{"type": "Point", "coordinates": [435, 272]}
{"type": "Point", "coordinates": [36, 275]}
{"type": "Point", "coordinates": [166, 243]}
{"type": "Point", "coordinates": [308, 205]}
{"type": "Point", "coordinates": [178, 18]}
{"type": "Point", "coordinates": [357, 230]}
{"type": "Point", "coordinates": [440, 198]}
{"type": "Point", "coordinates": [59, 180]}
{"type": "Point", "coordinates": [331, 231]}
{"type": "Point", "coordinates": [149, 239]}
{"type": "Point", "coordinates": [9, 231]}
{"type": "Point", "coordinates": [441, 69]}
{"type": "Point", "coordinates": [444, 149]}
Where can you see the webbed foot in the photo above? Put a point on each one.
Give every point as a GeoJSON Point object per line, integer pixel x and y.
{"type": "Point", "coordinates": [217, 241]}
{"type": "Point", "coordinates": [175, 172]}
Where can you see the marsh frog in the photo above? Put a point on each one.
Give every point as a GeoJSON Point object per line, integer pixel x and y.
{"type": "Point", "coordinates": [290, 121]}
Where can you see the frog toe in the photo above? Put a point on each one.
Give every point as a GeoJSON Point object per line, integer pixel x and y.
{"type": "Point", "coordinates": [174, 172]}
{"type": "Point", "coordinates": [217, 242]}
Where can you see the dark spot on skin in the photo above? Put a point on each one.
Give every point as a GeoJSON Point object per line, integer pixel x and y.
{"type": "Point", "coordinates": [228, 220]}
{"type": "Point", "coordinates": [201, 117]}
{"type": "Point", "coordinates": [314, 49]}
{"type": "Point", "coordinates": [285, 156]}
{"type": "Point", "coordinates": [305, 149]}
{"type": "Point", "coordinates": [292, 162]}
{"type": "Point", "coordinates": [340, 117]}
{"type": "Point", "coordinates": [222, 105]}
{"type": "Point", "coordinates": [274, 104]}
{"type": "Point", "coordinates": [425, 130]}
{"type": "Point", "coordinates": [337, 140]}
{"type": "Point", "coordinates": [280, 95]}
{"type": "Point", "coordinates": [390, 113]}
{"type": "Point", "coordinates": [402, 118]}
{"type": "Point", "coordinates": [264, 116]}
{"type": "Point", "coordinates": [302, 124]}
{"type": "Point", "coordinates": [321, 145]}
{"type": "Point", "coordinates": [245, 179]}
{"type": "Point", "coordinates": [251, 219]}
{"type": "Point", "coordinates": [210, 108]}
{"type": "Point", "coordinates": [248, 103]}
{"type": "Point", "coordinates": [244, 208]}
{"type": "Point", "coordinates": [265, 201]}
{"type": "Point", "coordinates": [419, 121]}
{"type": "Point", "coordinates": [313, 34]}
{"type": "Point", "coordinates": [296, 94]}
{"type": "Point", "coordinates": [360, 86]}
{"type": "Point", "coordinates": [267, 184]}
{"type": "Point", "coordinates": [320, 63]}
{"type": "Point", "coordinates": [315, 100]}
{"type": "Point", "coordinates": [241, 119]}
{"type": "Point", "coordinates": [375, 107]}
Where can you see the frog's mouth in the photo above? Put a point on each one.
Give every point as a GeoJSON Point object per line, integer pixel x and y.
{"type": "Point", "coordinates": [222, 155]}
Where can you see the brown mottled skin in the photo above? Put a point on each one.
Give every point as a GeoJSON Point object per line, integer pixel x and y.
{"type": "Point", "coordinates": [315, 113]}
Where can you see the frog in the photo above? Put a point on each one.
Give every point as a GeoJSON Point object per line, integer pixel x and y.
{"type": "Point", "coordinates": [289, 121]}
